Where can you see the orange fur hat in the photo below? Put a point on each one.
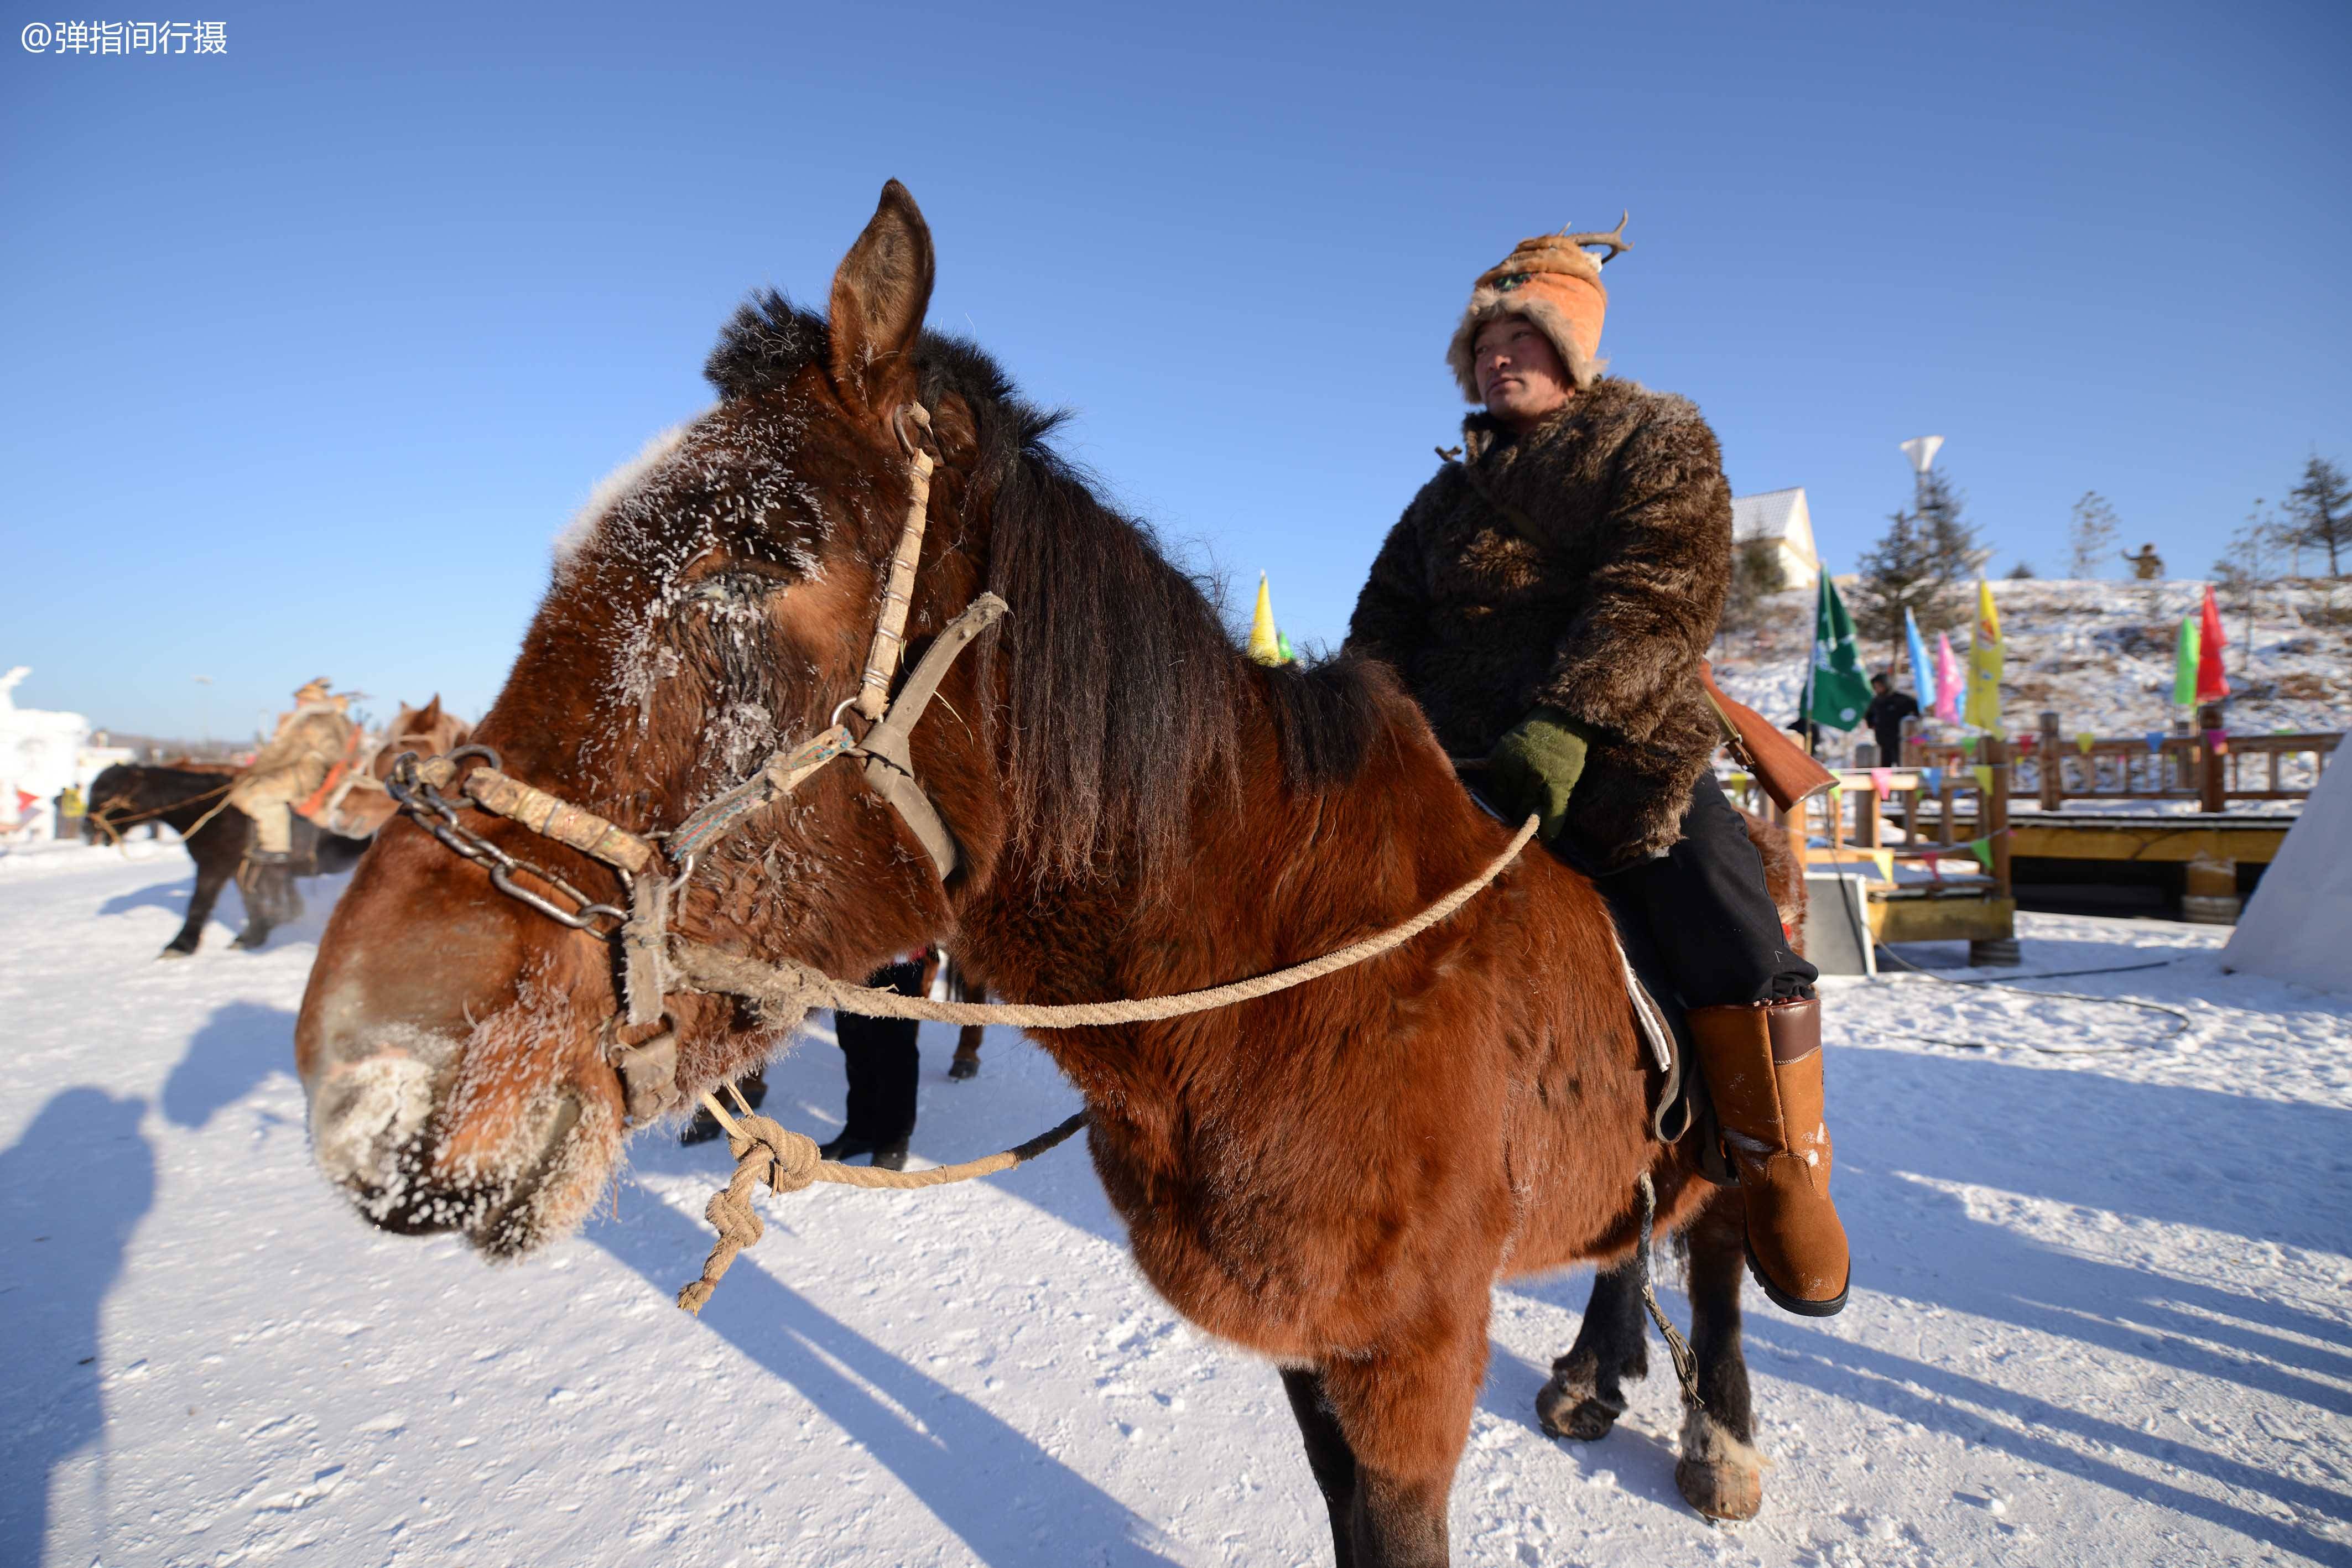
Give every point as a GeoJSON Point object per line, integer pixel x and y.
{"type": "Point", "coordinates": [1555, 283]}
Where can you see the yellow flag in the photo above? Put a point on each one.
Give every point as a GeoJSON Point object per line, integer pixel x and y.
{"type": "Point", "coordinates": [1265, 641]}
{"type": "Point", "coordinates": [1984, 666]}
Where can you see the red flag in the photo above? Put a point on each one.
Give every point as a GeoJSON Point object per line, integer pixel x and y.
{"type": "Point", "coordinates": [2211, 684]}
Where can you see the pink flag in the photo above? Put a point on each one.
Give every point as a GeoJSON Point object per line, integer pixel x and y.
{"type": "Point", "coordinates": [1948, 680]}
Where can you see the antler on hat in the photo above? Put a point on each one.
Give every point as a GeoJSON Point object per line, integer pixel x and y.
{"type": "Point", "coordinates": [1555, 283]}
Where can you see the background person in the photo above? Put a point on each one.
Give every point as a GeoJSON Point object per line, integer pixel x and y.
{"type": "Point", "coordinates": [1887, 710]}
{"type": "Point", "coordinates": [289, 768]}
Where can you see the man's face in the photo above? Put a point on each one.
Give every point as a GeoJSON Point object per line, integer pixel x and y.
{"type": "Point", "coordinates": [1520, 377]}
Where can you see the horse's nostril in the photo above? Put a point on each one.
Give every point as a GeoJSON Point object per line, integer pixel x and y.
{"type": "Point", "coordinates": [363, 1112]}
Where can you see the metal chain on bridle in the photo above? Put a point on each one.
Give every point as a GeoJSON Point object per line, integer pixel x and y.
{"type": "Point", "coordinates": [653, 869]}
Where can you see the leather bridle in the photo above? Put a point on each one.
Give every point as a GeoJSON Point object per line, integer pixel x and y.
{"type": "Point", "coordinates": [653, 867]}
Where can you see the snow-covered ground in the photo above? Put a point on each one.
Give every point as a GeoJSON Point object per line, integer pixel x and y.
{"type": "Point", "coordinates": [2100, 1317]}
{"type": "Point", "coordinates": [2100, 655]}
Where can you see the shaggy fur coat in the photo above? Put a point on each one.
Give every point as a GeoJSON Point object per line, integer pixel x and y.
{"type": "Point", "coordinates": [1603, 614]}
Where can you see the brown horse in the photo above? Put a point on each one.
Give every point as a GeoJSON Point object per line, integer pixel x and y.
{"type": "Point", "coordinates": [1332, 1177]}
{"type": "Point", "coordinates": [353, 802]}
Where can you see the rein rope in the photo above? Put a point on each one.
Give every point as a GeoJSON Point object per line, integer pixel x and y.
{"type": "Point", "coordinates": [658, 964]}
{"type": "Point", "coordinates": [105, 817]}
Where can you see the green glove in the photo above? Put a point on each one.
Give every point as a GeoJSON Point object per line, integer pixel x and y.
{"type": "Point", "coordinates": [1535, 767]}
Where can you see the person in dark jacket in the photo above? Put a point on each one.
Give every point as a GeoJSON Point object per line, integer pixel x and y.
{"type": "Point", "coordinates": [1547, 598]}
{"type": "Point", "coordinates": [1887, 710]}
{"type": "Point", "coordinates": [883, 1066]}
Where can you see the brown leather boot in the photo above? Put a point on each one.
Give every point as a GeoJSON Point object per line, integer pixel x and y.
{"type": "Point", "coordinates": [1763, 1069]}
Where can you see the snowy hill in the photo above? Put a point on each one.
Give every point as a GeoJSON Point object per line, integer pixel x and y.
{"type": "Point", "coordinates": [2100, 654]}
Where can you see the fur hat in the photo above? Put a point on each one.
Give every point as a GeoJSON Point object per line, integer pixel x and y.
{"type": "Point", "coordinates": [1555, 283]}
{"type": "Point", "coordinates": [312, 691]}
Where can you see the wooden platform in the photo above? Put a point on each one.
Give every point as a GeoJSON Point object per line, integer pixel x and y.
{"type": "Point", "coordinates": [2151, 836]}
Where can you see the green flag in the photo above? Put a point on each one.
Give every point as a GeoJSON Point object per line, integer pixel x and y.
{"type": "Point", "coordinates": [2184, 663]}
{"type": "Point", "coordinates": [1837, 693]}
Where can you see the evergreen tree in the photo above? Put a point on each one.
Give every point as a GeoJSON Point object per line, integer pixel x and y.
{"type": "Point", "coordinates": [1756, 576]}
{"type": "Point", "coordinates": [1951, 540]}
{"type": "Point", "coordinates": [2091, 537]}
{"type": "Point", "coordinates": [2022, 573]}
{"type": "Point", "coordinates": [2320, 512]}
{"type": "Point", "coordinates": [1922, 559]}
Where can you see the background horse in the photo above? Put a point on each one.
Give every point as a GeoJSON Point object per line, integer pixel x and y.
{"type": "Point", "coordinates": [354, 803]}
{"type": "Point", "coordinates": [1332, 1177]}
{"type": "Point", "coordinates": [190, 798]}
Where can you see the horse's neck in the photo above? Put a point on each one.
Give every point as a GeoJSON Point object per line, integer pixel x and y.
{"type": "Point", "coordinates": [1272, 877]}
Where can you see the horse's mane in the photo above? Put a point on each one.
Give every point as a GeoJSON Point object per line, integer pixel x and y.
{"type": "Point", "coordinates": [1124, 694]}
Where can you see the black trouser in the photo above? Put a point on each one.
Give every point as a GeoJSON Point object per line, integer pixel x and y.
{"type": "Point", "coordinates": [883, 1063]}
{"type": "Point", "coordinates": [1705, 906]}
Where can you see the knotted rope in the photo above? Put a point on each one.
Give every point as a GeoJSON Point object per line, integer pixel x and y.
{"type": "Point", "coordinates": [786, 1161]}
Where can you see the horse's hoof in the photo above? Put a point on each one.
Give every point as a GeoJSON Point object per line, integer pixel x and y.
{"type": "Point", "coordinates": [963, 1066]}
{"type": "Point", "coordinates": [1718, 1474]}
{"type": "Point", "coordinates": [177, 953]}
{"type": "Point", "coordinates": [250, 944]}
{"type": "Point", "coordinates": [1720, 1491]}
{"type": "Point", "coordinates": [1568, 1407]}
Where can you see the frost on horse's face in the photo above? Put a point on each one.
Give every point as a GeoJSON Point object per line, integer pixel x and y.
{"type": "Point", "coordinates": [711, 605]}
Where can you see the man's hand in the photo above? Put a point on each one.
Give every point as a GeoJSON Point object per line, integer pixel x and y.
{"type": "Point", "coordinates": [1535, 767]}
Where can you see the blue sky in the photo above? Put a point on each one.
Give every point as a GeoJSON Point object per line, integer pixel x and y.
{"type": "Point", "coordinates": [313, 346]}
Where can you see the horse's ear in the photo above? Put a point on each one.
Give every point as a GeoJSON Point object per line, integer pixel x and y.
{"type": "Point", "coordinates": [879, 295]}
{"type": "Point", "coordinates": [430, 714]}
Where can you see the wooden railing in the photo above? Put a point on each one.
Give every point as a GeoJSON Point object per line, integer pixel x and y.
{"type": "Point", "coordinates": [1940, 810]}
{"type": "Point", "coordinates": [2211, 769]}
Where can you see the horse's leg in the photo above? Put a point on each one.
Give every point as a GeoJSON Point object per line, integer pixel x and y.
{"type": "Point", "coordinates": [967, 1053]}
{"type": "Point", "coordinates": [212, 872]}
{"type": "Point", "coordinates": [1328, 1455]}
{"type": "Point", "coordinates": [1405, 1411]}
{"type": "Point", "coordinates": [1720, 1473]}
{"type": "Point", "coordinates": [1587, 1394]}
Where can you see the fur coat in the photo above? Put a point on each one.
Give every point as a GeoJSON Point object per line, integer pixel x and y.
{"type": "Point", "coordinates": [1603, 614]}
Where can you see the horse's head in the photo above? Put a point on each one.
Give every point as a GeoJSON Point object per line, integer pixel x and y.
{"type": "Point", "coordinates": [427, 731]}
{"type": "Point", "coordinates": [712, 604]}
{"type": "Point", "coordinates": [114, 792]}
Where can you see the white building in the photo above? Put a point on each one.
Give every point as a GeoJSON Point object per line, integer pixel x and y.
{"type": "Point", "coordinates": [41, 754]}
{"type": "Point", "coordinates": [1780, 521]}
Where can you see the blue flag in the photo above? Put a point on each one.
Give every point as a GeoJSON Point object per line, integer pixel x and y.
{"type": "Point", "coordinates": [1923, 674]}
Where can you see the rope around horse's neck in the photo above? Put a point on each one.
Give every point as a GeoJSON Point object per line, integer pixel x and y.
{"type": "Point", "coordinates": [786, 1161]}
{"type": "Point", "coordinates": [112, 825]}
{"type": "Point", "coordinates": [794, 988]}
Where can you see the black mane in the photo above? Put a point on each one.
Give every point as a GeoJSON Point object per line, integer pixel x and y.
{"type": "Point", "coordinates": [1125, 692]}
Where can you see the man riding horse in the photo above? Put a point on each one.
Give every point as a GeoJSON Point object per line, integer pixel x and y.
{"type": "Point", "coordinates": [1547, 596]}
{"type": "Point", "coordinates": [290, 767]}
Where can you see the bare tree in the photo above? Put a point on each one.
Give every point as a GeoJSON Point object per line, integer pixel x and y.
{"type": "Point", "coordinates": [2090, 536]}
{"type": "Point", "coordinates": [2319, 511]}
{"type": "Point", "coordinates": [2251, 564]}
